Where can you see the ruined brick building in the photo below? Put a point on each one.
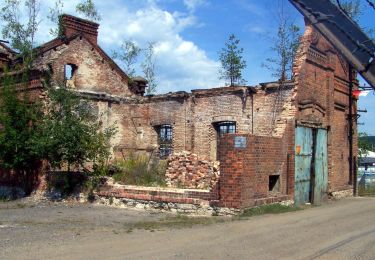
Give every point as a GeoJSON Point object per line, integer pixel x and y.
{"type": "Point", "coordinates": [275, 141]}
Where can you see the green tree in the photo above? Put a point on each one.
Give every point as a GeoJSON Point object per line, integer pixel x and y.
{"type": "Point", "coordinates": [55, 17]}
{"type": "Point", "coordinates": [148, 68]}
{"type": "Point", "coordinates": [128, 56]}
{"type": "Point", "coordinates": [18, 116]}
{"type": "Point", "coordinates": [351, 7]}
{"type": "Point", "coordinates": [232, 62]}
{"type": "Point", "coordinates": [354, 9]}
{"type": "Point", "coordinates": [71, 133]}
{"type": "Point", "coordinates": [284, 46]}
{"type": "Point", "coordinates": [88, 9]}
{"type": "Point", "coordinates": [21, 34]}
{"type": "Point", "coordinates": [363, 145]}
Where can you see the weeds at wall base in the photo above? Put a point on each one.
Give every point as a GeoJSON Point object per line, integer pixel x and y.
{"type": "Point", "coordinates": [183, 221]}
{"type": "Point", "coordinates": [268, 209]}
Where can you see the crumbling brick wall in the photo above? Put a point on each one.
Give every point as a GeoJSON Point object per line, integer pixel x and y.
{"type": "Point", "coordinates": [322, 77]}
{"type": "Point", "coordinates": [92, 73]}
{"type": "Point", "coordinates": [193, 117]}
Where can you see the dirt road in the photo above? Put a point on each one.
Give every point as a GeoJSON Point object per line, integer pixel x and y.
{"type": "Point", "coordinates": [343, 229]}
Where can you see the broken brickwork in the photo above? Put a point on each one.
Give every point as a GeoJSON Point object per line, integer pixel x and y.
{"type": "Point", "coordinates": [199, 121]}
{"type": "Point", "coordinates": [322, 99]}
{"type": "Point", "coordinates": [186, 170]}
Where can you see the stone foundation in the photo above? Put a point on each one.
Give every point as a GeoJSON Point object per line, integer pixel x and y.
{"type": "Point", "coordinates": [341, 194]}
{"type": "Point", "coordinates": [203, 209]}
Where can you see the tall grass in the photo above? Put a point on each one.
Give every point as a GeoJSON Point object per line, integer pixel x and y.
{"type": "Point", "coordinates": [141, 170]}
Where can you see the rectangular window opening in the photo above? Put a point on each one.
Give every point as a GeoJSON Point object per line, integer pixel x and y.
{"type": "Point", "coordinates": [165, 138]}
{"type": "Point", "coordinates": [69, 70]}
{"type": "Point", "coordinates": [226, 127]}
{"type": "Point", "coordinates": [274, 183]}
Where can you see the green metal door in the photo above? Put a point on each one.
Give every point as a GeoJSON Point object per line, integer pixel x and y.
{"type": "Point", "coordinates": [320, 167]}
{"type": "Point", "coordinates": [303, 159]}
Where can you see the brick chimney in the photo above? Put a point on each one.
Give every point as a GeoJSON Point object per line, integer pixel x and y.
{"type": "Point", "coordinates": [73, 25]}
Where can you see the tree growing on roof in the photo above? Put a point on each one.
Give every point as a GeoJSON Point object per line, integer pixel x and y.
{"type": "Point", "coordinates": [354, 9]}
{"type": "Point", "coordinates": [232, 62]}
{"type": "Point", "coordinates": [148, 68]}
{"type": "Point", "coordinates": [88, 9]}
{"type": "Point", "coordinates": [351, 7]}
{"type": "Point", "coordinates": [128, 56]}
{"type": "Point", "coordinates": [55, 17]}
{"type": "Point", "coordinates": [284, 47]}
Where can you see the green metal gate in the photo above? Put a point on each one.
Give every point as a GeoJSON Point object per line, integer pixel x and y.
{"type": "Point", "coordinates": [320, 167]}
{"type": "Point", "coordinates": [311, 167]}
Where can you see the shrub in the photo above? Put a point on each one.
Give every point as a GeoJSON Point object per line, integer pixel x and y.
{"type": "Point", "coordinates": [141, 170]}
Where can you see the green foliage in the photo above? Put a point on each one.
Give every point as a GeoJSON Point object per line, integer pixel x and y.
{"type": "Point", "coordinates": [354, 9]}
{"type": "Point", "coordinates": [128, 56]}
{"type": "Point", "coordinates": [351, 7]}
{"type": "Point", "coordinates": [17, 118]}
{"type": "Point", "coordinates": [70, 133]}
{"type": "Point", "coordinates": [140, 170]}
{"type": "Point", "coordinates": [174, 222]}
{"type": "Point", "coordinates": [268, 209]}
{"type": "Point", "coordinates": [364, 145]}
{"type": "Point", "coordinates": [21, 34]}
{"type": "Point", "coordinates": [148, 68]}
{"type": "Point", "coordinates": [55, 17]}
{"type": "Point", "coordinates": [284, 47]}
{"type": "Point", "coordinates": [88, 9]}
{"type": "Point", "coordinates": [232, 62]}
{"type": "Point", "coordinates": [366, 191]}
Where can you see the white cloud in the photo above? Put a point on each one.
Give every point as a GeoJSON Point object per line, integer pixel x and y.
{"type": "Point", "coordinates": [181, 64]}
{"type": "Point", "coordinates": [255, 29]}
{"type": "Point", "coordinates": [193, 4]}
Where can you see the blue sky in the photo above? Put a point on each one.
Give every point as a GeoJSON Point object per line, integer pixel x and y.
{"type": "Point", "coordinates": [189, 34]}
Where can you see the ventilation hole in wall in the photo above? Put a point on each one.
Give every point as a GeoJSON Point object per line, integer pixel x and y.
{"type": "Point", "coordinates": [274, 183]}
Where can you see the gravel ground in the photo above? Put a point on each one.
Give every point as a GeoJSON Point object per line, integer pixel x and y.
{"type": "Point", "coordinates": [342, 229]}
{"type": "Point", "coordinates": [24, 223]}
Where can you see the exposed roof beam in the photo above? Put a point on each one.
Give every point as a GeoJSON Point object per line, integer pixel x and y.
{"type": "Point", "coordinates": [343, 33]}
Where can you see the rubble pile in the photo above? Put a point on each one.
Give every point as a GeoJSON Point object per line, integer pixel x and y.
{"type": "Point", "coordinates": [186, 170]}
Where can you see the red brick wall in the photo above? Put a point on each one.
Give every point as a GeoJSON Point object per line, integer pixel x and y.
{"type": "Point", "coordinates": [94, 73]}
{"type": "Point", "coordinates": [245, 172]}
{"type": "Point", "coordinates": [322, 100]}
{"type": "Point", "coordinates": [192, 117]}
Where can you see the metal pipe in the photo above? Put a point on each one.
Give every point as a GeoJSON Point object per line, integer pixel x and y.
{"type": "Point", "coordinates": [287, 173]}
{"type": "Point", "coordinates": [355, 177]}
{"type": "Point", "coordinates": [350, 119]}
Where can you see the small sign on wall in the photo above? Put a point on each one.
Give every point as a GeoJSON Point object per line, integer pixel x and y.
{"type": "Point", "coordinates": [240, 142]}
{"type": "Point", "coordinates": [298, 149]}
